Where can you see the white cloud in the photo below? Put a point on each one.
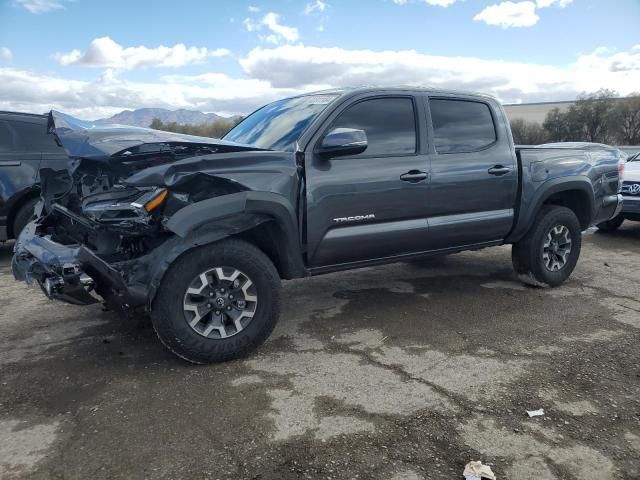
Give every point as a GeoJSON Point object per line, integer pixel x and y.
{"type": "Point", "coordinates": [509, 14]}
{"type": "Point", "coordinates": [104, 52]}
{"type": "Point", "coordinates": [271, 21]}
{"type": "Point", "coordinates": [271, 73]}
{"type": "Point", "coordinates": [30, 91]}
{"type": "Point", "coordinates": [441, 3]}
{"type": "Point", "coordinates": [6, 54]}
{"type": "Point", "coordinates": [317, 6]}
{"type": "Point", "coordinates": [605, 58]}
{"type": "Point", "coordinates": [551, 3]}
{"type": "Point", "coordinates": [299, 67]}
{"type": "Point", "coordinates": [41, 6]}
{"type": "Point", "coordinates": [516, 14]}
{"type": "Point", "coordinates": [253, 9]}
{"type": "Point", "coordinates": [317, 9]}
{"type": "Point", "coordinates": [436, 3]}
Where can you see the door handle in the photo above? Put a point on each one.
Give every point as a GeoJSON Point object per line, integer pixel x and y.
{"type": "Point", "coordinates": [499, 170]}
{"type": "Point", "coordinates": [414, 176]}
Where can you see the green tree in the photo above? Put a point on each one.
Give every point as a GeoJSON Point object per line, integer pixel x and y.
{"type": "Point", "coordinates": [215, 129]}
{"type": "Point", "coordinates": [555, 125]}
{"type": "Point", "coordinates": [590, 119]}
{"type": "Point", "coordinates": [626, 120]}
{"type": "Point", "coordinates": [527, 133]}
{"type": "Point", "coordinates": [156, 124]}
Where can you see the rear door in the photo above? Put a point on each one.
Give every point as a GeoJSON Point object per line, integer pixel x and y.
{"type": "Point", "coordinates": [370, 205]}
{"type": "Point", "coordinates": [473, 173]}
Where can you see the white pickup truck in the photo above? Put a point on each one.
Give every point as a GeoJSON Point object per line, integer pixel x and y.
{"type": "Point", "coordinates": [631, 195]}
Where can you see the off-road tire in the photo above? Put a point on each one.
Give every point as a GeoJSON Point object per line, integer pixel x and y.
{"type": "Point", "coordinates": [527, 254]}
{"type": "Point", "coordinates": [611, 225]}
{"type": "Point", "coordinates": [23, 216]}
{"type": "Point", "coordinates": [168, 316]}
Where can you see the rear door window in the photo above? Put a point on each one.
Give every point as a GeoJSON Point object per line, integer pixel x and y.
{"type": "Point", "coordinates": [8, 138]}
{"type": "Point", "coordinates": [33, 137]}
{"type": "Point", "coordinates": [461, 125]}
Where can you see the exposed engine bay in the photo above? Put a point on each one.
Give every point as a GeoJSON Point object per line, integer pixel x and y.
{"type": "Point", "coordinates": [104, 225]}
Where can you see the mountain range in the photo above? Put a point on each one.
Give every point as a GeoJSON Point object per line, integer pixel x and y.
{"type": "Point", "coordinates": [143, 117]}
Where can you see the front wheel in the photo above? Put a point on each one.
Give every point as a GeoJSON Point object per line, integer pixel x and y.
{"type": "Point", "coordinates": [548, 253]}
{"type": "Point", "coordinates": [23, 216]}
{"type": "Point", "coordinates": [217, 302]}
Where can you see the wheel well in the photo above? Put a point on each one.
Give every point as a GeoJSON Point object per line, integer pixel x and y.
{"type": "Point", "coordinates": [267, 237]}
{"type": "Point", "coordinates": [16, 208]}
{"type": "Point", "coordinates": [575, 200]}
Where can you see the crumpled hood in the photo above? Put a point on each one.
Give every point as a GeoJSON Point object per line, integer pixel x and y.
{"type": "Point", "coordinates": [82, 139]}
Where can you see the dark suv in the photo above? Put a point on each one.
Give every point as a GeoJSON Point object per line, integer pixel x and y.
{"type": "Point", "coordinates": [24, 148]}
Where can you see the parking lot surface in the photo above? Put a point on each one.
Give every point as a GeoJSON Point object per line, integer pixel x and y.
{"type": "Point", "coordinates": [398, 372]}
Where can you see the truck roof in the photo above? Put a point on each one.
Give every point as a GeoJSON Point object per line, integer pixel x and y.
{"type": "Point", "coordinates": [23, 116]}
{"type": "Point", "coordinates": [409, 88]}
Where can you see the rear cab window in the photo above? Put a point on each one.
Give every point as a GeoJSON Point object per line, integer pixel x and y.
{"type": "Point", "coordinates": [461, 126]}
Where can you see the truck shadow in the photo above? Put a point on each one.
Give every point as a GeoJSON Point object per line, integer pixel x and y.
{"type": "Point", "coordinates": [6, 251]}
{"type": "Point", "coordinates": [620, 238]}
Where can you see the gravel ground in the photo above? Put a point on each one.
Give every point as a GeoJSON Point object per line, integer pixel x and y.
{"type": "Point", "coordinates": [399, 372]}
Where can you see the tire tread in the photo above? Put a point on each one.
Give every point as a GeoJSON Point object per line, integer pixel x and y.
{"type": "Point", "coordinates": [167, 319]}
{"type": "Point", "coordinates": [525, 254]}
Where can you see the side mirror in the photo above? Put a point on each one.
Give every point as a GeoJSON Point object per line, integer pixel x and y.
{"type": "Point", "coordinates": [343, 141]}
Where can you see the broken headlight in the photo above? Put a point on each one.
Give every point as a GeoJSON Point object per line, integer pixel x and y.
{"type": "Point", "coordinates": [126, 210]}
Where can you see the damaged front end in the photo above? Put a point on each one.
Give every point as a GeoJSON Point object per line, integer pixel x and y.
{"type": "Point", "coordinates": [103, 229]}
{"type": "Point", "coordinates": [80, 256]}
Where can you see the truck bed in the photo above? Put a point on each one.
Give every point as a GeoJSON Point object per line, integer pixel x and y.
{"type": "Point", "coordinates": [589, 167]}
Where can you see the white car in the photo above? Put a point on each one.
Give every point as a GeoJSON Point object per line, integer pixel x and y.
{"type": "Point", "coordinates": [631, 194]}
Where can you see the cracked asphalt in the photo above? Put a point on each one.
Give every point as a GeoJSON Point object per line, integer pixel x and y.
{"type": "Point", "coordinates": [399, 372]}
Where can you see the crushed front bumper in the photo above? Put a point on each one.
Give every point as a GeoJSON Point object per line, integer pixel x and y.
{"type": "Point", "coordinates": [70, 273]}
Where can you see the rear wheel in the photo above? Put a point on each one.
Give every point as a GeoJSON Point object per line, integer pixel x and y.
{"type": "Point", "coordinates": [548, 253]}
{"type": "Point", "coordinates": [217, 302]}
{"type": "Point", "coordinates": [23, 216]}
{"type": "Point", "coordinates": [611, 225]}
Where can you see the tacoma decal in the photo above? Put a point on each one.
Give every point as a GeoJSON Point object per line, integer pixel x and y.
{"type": "Point", "coordinates": [355, 218]}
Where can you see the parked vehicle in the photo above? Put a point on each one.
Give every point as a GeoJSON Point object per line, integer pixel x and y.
{"type": "Point", "coordinates": [630, 194]}
{"type": "Point", "coordinates": [24, 148]}
{"type": "Point", "coordinates": [199, 232]}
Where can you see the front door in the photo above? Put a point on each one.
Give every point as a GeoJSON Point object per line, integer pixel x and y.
{"type": "Point", "coordinates": [370, 205]}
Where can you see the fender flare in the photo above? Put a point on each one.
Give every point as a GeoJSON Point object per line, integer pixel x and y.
{"type": "Point", "coordinates": [530, 207]}
{"type": "Point", "coordinates": [193, 217]}
{"type": "Point", "coordinates": [217, 218]}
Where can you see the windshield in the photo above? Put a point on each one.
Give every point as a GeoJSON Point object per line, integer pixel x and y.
{"type": "Point", "coordinates": [280, 124]}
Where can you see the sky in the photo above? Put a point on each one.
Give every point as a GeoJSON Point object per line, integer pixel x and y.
{"type": "Point", "coordinates": [94, 58]}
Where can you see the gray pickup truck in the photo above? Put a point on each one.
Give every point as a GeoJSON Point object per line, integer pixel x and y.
{"type": "Point", "coordinates": [199, 232]}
